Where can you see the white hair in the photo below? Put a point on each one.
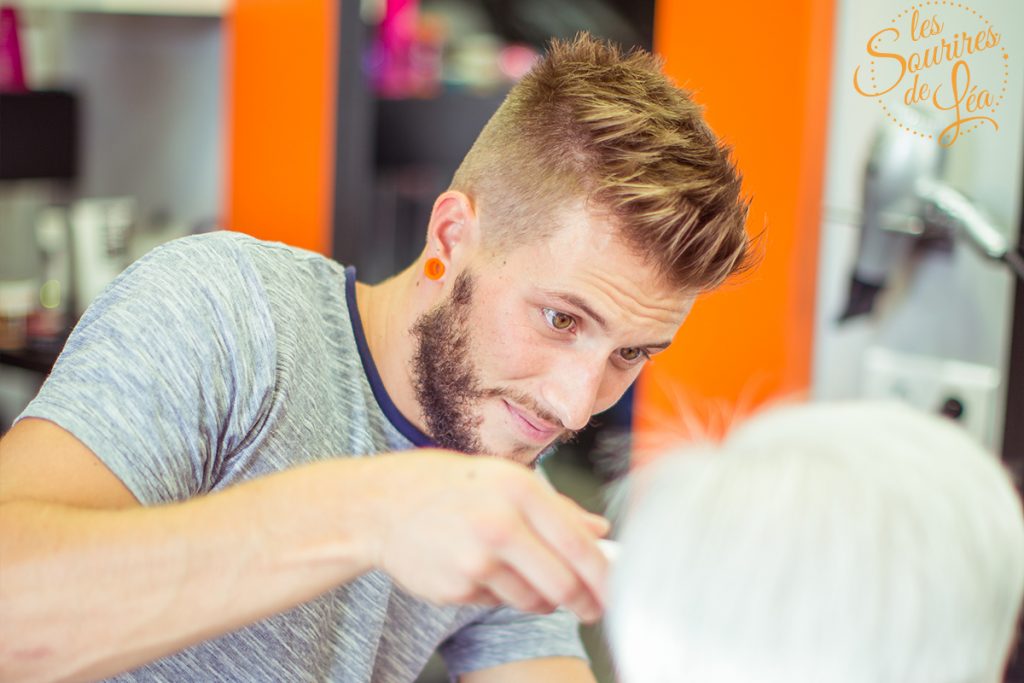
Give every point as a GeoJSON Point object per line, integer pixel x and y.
{"type": "Point", "coordinates": [827, 543]}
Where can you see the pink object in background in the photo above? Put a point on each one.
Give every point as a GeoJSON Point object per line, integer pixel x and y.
{"type": "Point", "coordinates": [515, 61]}
{"type": "Point", "coordinates": [398, 27]}
{"type": "Point", "coordinates": [405, 60]}
{"type": "Point", "coordinates": [12, 74]}
{"type": "Point", "coordinates": [395, 39]}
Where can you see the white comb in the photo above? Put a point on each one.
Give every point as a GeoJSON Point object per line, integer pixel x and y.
{"type": "Point", "coordinates": [609, 548]}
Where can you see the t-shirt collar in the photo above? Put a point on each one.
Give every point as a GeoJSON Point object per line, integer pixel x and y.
{"type": "Point", "coordinates": [387, 406]}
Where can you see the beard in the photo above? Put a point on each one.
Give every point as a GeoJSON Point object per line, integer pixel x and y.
{"type": "Point", "coordinates": [446, 381]}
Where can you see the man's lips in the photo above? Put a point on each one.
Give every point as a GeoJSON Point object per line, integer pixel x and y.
{"type": "Point", "coordinates": [531, 425]}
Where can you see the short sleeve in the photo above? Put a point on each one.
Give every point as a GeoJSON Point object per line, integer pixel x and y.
{"type": "Point", "coordinates": [504, 635]}
{"type": "Point", "coordinates": [169, 368]}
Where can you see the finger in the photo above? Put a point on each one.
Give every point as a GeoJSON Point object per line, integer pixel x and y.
{"type": "Point", "coordinates": [547, 574]}
{"type": "Point", "coordinates": [484, 597]}
{"type": "Point", "coordinates": [568, 537]}
{"type": "Point", "coordinates": [596, 523]}
{"type": "Point", "coordinates": [511, 589]}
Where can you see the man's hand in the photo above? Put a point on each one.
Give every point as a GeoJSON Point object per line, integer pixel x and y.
{"type": "Point", "coordinates": [457, 529]}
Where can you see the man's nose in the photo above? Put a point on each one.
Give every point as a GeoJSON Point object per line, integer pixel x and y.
{"type": "Point", "coordinates": [572, 392]}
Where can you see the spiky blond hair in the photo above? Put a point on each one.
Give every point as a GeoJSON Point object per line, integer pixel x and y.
{"type": "Point", "coordinates": [593, 123]}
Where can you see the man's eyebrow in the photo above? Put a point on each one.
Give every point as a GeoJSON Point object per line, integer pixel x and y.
{"type": "Point", "coordinates": [578, 302]}
{"type": "Point", "coordinates": [574, 300]}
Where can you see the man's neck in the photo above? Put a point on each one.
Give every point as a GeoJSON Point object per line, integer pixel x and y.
{"type": "Point", "coordinates": [388, 311]}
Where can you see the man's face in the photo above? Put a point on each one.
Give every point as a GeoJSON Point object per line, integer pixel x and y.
{"type": "Point", "coordinates": [528, 345]}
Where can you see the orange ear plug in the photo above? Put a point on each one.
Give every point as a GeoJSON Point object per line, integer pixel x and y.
{"type": "Point", "coordinates": [434, 268]}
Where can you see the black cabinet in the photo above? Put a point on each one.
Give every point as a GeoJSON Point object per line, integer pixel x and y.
{"type": "Point", "coordinates": [38, 135]}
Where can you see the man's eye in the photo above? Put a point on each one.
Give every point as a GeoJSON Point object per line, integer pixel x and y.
{"type": "Point", "coordinates": [633, 354]}
{"type": "Point", "coordinates": [558, 320]}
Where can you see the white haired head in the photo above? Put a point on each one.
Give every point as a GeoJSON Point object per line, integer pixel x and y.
{"type": "Point", "coordinates": [828, 543]}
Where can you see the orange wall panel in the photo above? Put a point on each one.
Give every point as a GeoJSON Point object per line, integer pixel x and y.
{"type": "Point", "coordinates": [762, 72]}
{"type": "Point", "coordinates": [281, 60]}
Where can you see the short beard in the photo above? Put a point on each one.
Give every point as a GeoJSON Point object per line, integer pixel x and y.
{"type": "Point", "coordinates": [444, 379]}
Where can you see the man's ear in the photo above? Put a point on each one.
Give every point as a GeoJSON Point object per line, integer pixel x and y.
{"type": "Point", "coordinates": [453, 234]}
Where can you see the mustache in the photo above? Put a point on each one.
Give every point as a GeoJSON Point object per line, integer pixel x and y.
{"type": "Point", "coordinates": [526, 401]}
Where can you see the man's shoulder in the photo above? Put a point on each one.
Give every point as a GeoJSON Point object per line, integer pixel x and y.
{"type": "Point", "coordinates": [277, 260]}
{"type": "Point", "coordinates": [227, 243]}
{"type": "Point", "coordinates": [219, 257]}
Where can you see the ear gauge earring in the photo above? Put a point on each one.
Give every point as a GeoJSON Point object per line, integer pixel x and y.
{"type": "Point", "coordinates": [433, 268]}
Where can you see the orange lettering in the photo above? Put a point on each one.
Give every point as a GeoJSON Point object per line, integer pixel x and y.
{"type": "Point", "coordinates": [884, 55]}
{"type": "Point", "coordinates": [916, 93]}
{"type": "Point", "coordinates": [914, 34]}
{"type": "Point", "coordinates": [993, 38]}
{"type": "Point", "coordinates": [929, 27]}
{"type": "Point", "coordinates": [968, 97]}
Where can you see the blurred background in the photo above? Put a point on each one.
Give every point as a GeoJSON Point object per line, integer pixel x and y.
{"type": "Point", "coordinates": [888, 258]}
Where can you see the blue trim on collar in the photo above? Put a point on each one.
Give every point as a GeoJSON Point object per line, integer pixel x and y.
{"type": "Point", "coordinates": [387, 406]}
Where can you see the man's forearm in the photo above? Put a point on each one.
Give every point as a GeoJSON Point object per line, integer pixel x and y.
{"type": "Point", "coordinates": [543, 670]}
{"type": "Point", "coordinates": [88, 593]}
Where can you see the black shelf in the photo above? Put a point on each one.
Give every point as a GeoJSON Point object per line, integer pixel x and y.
{"type": "Point", "coordinates": [37, 358]}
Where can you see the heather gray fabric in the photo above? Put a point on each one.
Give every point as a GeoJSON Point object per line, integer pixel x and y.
{"type": "Point", "coordinates": [219, 358]}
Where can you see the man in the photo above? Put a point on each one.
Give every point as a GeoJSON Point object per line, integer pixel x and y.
{"type": "Point", "coordinates": [192, 494]}
{"type": "Point", "coordinates": [832, 543]}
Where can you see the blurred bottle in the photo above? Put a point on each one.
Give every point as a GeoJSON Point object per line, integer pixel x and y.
{"type": "Point", "coordinates": [405, 58]}
{"type": "Point", "coordinates": [49, 322]}
{"type": "Point", "coordinates": [12, 72]}
{"type": "Point", "coordinates": [100, 230]}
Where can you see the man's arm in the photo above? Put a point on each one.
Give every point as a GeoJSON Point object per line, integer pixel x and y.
{"type": "Point", "coordinates": [92, 584]}
{"type": "Point", "coordinates": [546, 670]}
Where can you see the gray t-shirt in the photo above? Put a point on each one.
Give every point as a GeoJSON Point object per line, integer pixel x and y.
{"type": "Point", "coordinates": [220, 358]}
